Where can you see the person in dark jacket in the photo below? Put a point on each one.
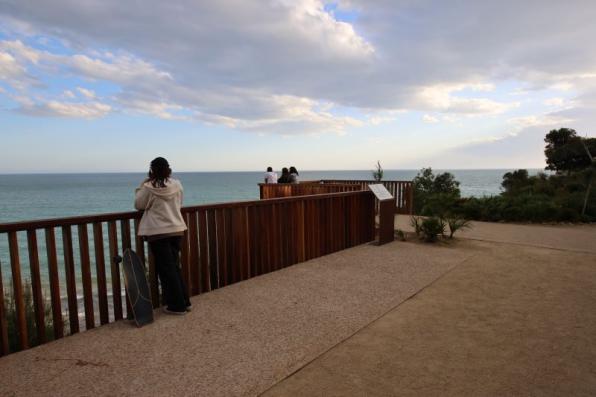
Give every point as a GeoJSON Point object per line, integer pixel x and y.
{"type": "Point", "coordinates": [285, 176]}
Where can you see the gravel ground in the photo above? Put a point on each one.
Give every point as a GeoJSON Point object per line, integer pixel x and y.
{"type": "Point", "coordinates": [514, 321]}
{"type": "Point", "coordinates": [239, 340]}
{"type": "Point", "coordinates": [509, 315]}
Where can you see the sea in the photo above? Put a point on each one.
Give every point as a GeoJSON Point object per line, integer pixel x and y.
{"type": "Point", "coordinates": [39, 196]}
{"type": "Point", "coordinates": [26, 197]}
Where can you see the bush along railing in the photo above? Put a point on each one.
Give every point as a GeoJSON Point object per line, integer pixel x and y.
{"type": "Point", "coordinates": [276, 190]}
{"type": "Point", "coordinates": [402, 191]}
{"type": "Point", "coordinates": [224, 244]}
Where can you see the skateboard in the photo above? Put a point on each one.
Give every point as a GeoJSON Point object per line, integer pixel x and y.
{"type": "Point", "coordinates": [137, 288]}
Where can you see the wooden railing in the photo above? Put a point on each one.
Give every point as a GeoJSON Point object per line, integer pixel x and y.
{"type": "Point", "coordinates": [276, 190]}
{"type": "Point", "coordinates": [224, 244]}
{"type": "Point", "coordinates": [402, 191]}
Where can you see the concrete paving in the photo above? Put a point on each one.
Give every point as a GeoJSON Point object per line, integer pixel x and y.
{"type": "Point", "coordinates": [517, 319]}
{"type": "Point", "coordinates": [504, 310]}
{"type": "Point", "coordinates": [239, 340]}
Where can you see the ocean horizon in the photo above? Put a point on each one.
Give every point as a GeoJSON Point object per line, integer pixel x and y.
{"type": "Point", "coordinates": [28, 197]}
{"type": "Point", "coordinates": [31, 196]}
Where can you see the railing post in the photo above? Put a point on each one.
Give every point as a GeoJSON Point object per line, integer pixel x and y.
{"type": "Point", "coordinates": [38, 303]}
{"type": "Point", "coordinates": [17, 290]}
{"type": "Point", "coordinates": [4, 348]}
{"type": "Point", "coordinates": [71, 287]}
{"type": "Point", "coordinates": [386, 221]}
{"type": "Point", "coordinates": [57, 321]}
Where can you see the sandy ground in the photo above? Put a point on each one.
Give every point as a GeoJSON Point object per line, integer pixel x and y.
{"type": "Point", "coordinates": [516, 320]}
{"type": "Point", "coordinates": [580, 238]}
{"type": "Point", "coordinates": [502, 316]}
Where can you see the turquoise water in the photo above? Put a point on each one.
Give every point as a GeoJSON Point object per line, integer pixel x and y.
{"type": "Point", "coordinates": [31, 197]}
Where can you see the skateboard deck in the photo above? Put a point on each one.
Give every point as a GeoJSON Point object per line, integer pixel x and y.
{"type": "Point", "coordinates": [137, 288]}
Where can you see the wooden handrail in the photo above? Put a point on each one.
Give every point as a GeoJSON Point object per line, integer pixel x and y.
{"type": "Point", "coordinates": [225, 243]}
{"type": "Point", "coordinates": [402, 191]}
{"type": "Point", "coordinates": [116, 216]}
{"type": "Point", "coordinates": [275, 190]}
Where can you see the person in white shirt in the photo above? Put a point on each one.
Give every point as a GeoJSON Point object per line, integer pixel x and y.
{"type": "Point", "coordinates": [294, 175]}
{"type": "Point", "coordinates": [163, 226]}
{"type": "Point", "coordinates": [270, 176]}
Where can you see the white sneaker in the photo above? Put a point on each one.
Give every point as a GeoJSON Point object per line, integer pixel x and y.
{"type": "Point", "coordinates": [175, 312]}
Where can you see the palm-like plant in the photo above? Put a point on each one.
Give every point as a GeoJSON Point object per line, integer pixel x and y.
{"type": "Point", "coordinates": [456, 224]}
{"type": "Point", "coordinates": [415, 222]}
{"type": "Point", "coordinates": [378, 172]}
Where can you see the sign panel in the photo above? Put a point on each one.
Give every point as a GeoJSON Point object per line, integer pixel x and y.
{"type": "Point", "coordinates": [380, 191]}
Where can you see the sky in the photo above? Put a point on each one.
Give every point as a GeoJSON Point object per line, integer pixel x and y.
{"type": "Point", "coordinates": [106, 85]}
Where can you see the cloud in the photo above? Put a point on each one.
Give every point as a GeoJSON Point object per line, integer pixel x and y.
{"type": "Point", "coordinates": [89, 94]}
{"type": "Point", "coordinates": [540, 120]}
{"type": "Point", "coordinates": [272, 67]}
{"type": "Point", "coordinates": [554, 101]}
{"type": "Point", "coordinates": [427, 118]}
{"type": "Point", "coordinates": [91, 110]}
{"type": "Point", "coordinates": [9, 68]}
{"type": "Point", "coordinates": [161, 110]}
{"type": "Point", "coordinates": [441, 98]}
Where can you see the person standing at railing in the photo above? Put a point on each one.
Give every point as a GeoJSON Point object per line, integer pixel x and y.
{"type": "Point", "coordinates": [285, 176]}
{"type": "Point", "coordinates": [294, 175]}
{"type": "Point", "coordinates": [162, 225]}
{"type": "Point", "coordinates": [270, 176]}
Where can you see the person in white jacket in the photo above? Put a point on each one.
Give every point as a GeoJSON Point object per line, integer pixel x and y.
{"type": "Point", "coordinates": [162, 225]}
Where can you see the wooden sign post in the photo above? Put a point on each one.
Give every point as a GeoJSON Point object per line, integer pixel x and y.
{"type": "Point", "coordinates": [386, 213]}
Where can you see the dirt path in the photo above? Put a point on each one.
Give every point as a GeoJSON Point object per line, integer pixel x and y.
{"type": "Point", "coordinates": [514, 321]}
{"type": "Point", "coordinates": [580, 238]}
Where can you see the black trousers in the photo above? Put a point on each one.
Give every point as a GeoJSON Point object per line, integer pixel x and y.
{"type": "Point", "coordinates": [166, 252]}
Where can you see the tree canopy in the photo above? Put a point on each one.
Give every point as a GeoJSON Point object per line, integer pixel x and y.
{"type": "Point", "coordinates": [565, 152]}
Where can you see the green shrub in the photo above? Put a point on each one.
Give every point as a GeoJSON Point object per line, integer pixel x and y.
{"type": "Point", "coordinates": [400, 235]}
{"type": "Point", "coordinates": [456, 224]}
{"type": "Point", "coordinates": [434, 194]}
{"type": "Point", "coordinates": [11, 317]}
{"type": "Point", "coordinates": [431, 228]}
{"type": "Point", "coordinates": [416, 222]}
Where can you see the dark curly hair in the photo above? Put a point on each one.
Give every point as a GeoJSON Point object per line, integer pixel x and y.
{"type": "Point", "coordinates": [160, 172]}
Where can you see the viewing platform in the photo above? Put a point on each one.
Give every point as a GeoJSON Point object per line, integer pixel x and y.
{"type": "Point", "coordinates": [73, 278]}
{"type": "Point", "coordinates": [294, 296]}
{"type": "Point", "coordinates": [488, 316]}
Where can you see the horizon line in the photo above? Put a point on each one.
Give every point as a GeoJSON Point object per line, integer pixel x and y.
{"type": "Point", "coordinates": [254, 171]}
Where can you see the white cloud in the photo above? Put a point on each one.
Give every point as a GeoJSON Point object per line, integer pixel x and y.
{"type": "Point", "coordinates": [161, 110]}
{"type": "Point", "coordinates": [378, 119]}
{"type": "Point", "coordinates": [479, 106]}
{"type": "Point", "coordinates": [440, 98]}
{"type": "Point", "coordinates": [9, 68]}
{"type": "Point", "coordinates": [540, 120]}
{"type": "Point", "coordinates": [89, 94]}
{"type": "Point", "coordinates": [91, 110]}
{"type": "Point", "coordinates": [21, 51]}
{"type": "Point", "coordinates": [427, 118]}
{"type": "Point", "coordinates": [84, 110]}
{"type": "Point", "coordinates": [273, 66]}
{"type": "Point", "coordinates": [123, 69]}
{"type": "Point", "coordinates": [554, 101]}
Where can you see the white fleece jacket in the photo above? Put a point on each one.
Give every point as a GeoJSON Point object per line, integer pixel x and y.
{"type": "Point", "coordinates": [162, 208]}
